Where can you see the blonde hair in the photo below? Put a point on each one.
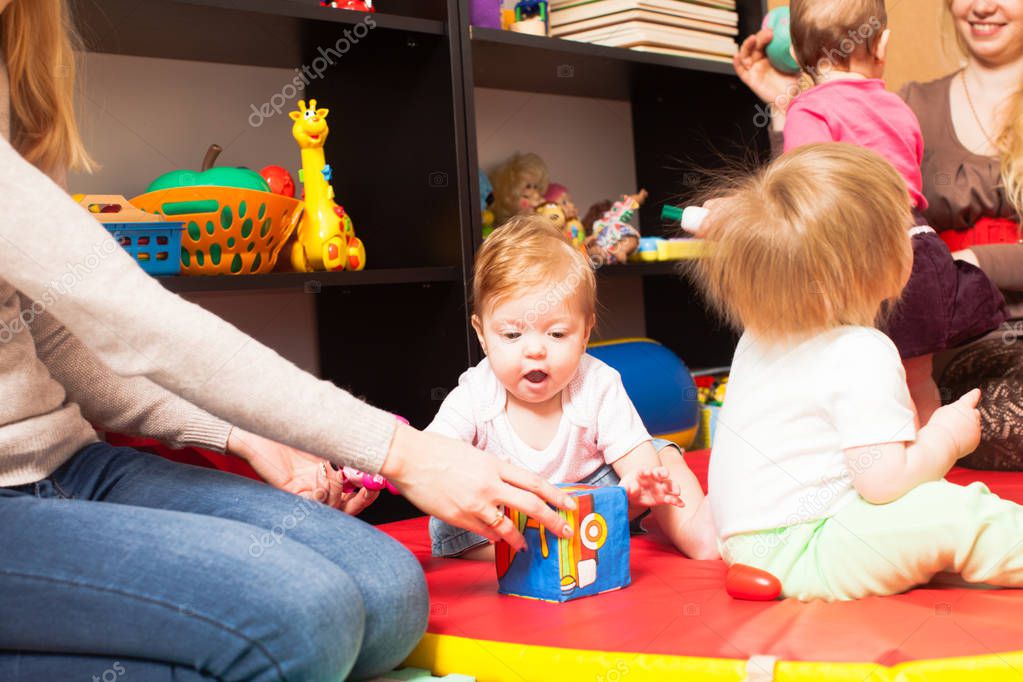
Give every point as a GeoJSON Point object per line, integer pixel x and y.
{"type": "Point", "coordinates": [526, 252]}
{"type": "Point", "coordinates": [816, 240]}
{"type": "Point", "coordinates": [1010, 151]}
{"type": "Point", "coordinates": [38, 39]}
{"type": "Point", "coordinates": [831, 31]}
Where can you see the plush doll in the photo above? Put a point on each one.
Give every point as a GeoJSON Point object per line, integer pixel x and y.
{"type": "Point", "coordinates": [554, 213]}
{"type": "Point", "coordinates": [519, 186]}
{"type": "Point", "coordinates": [574, 229]}
{"type": "Point", "coordinates": [613, 239]}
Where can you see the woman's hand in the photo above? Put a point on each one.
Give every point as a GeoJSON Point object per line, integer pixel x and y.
{"type": "Point", "coordinates": [297, 472]}
{"type": "Point", "coordinates": [753, 68]}
{"type": "Point", "coordinates": [459, 484]}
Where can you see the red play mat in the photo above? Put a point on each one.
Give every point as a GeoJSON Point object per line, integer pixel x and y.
{"type": "Point", "coordinates": [678, 607]}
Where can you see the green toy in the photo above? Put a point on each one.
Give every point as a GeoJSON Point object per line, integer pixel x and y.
{"type": "Point", "coordinates": [779, 51]}
{"type": "Point", "coordinates": [211, 176]}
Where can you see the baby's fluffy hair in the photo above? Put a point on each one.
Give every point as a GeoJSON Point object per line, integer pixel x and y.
{"type": "Point", "coordinates": [816, 240]}
{"type": "Point", "coordinates": [526, 252]}
{"type": "Point", "coordinates": [831, 31]}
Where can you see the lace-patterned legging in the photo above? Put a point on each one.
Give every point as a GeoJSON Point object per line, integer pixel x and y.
{"type": "Point", "coordinates": [995, 365]}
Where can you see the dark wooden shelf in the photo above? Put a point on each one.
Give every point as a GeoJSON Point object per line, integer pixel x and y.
{"type": "Point", "coordinates": [311, 9]}
{"type": "Point", "coordinates": [310, 282]}
{"type": "Point", "coordinates": [516, 61]}
{"type": "Point", "coordinates": [274, 33]}
{"type": "Point", "coordinates": [673, 268]}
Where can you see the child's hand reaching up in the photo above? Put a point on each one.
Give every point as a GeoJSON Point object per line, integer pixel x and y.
{"type": "Point", "coordinates": [960, 421]}
{"type": "Point", "coordinates": [651, 487]}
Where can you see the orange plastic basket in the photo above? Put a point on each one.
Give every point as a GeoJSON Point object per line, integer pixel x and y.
{"type": "Point", "coordinates": [228, 230]}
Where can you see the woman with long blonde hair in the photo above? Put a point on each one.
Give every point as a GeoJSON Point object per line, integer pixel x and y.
{"type": "Point", "coordinates": [116, 562]}
{"type": "Point", "coordinates": [972, 125]}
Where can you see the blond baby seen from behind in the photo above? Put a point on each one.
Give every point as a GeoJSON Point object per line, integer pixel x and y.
{"type": "Point", "coordinates": [818, 473]}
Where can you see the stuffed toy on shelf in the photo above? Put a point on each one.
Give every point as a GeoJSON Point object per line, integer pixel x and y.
{"type": "Point", "coordinates": [519, 186]}
{"type": "Point", "coordinates": [613, 238]}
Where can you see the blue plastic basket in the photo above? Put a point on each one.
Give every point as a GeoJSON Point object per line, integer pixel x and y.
{"type": "Point", "coordinates": [155, 246]}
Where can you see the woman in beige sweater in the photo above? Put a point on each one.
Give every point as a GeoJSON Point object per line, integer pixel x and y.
{"type": "Point", "coordinates": [972, 125]}
{"type": "Point", "coordinates": [117, 562]}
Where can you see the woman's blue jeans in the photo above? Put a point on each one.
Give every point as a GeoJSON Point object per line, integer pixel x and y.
{"type": "Point", "coordinates": [125, 566]}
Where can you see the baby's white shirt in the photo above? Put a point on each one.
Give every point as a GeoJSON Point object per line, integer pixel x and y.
{"type": "Point", "coordinates": [777, 459]}
{"type": "Point", "coordinates": [599, 423]}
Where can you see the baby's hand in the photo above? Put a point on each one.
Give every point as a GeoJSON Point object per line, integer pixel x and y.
{"type": "Point", "coordinates": [651, 487]}
{"type": "Point", "coordinates": [961, 421]}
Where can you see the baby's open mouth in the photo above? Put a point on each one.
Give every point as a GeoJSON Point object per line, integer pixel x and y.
{"type": "Point", "coordinates": [536, 376]}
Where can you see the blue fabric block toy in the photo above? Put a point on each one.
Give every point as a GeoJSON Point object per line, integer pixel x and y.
{"type": "Point", "coordinates": [594, 560]}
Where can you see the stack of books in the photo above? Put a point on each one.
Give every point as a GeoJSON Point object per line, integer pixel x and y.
{"type": "Point", "coordinates": [690, 28]}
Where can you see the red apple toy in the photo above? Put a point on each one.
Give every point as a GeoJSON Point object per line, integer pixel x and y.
{"type": "Point", "coordinates": [279, 179]}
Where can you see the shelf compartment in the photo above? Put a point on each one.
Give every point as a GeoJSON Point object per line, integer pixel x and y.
{"type": "Point", "coordinates": [272, 33]}
{"type": "Point", "coordinates": [311, 282]}
{"type": "Point", "coordinates": [513, 61]}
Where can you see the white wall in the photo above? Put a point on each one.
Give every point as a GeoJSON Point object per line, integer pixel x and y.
{"type": "Point", "coordinates": [587, 145]}
{"type": "Point", "coordinates": [142, 117]}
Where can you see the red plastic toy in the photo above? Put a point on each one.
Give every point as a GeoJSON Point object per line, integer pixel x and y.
{"type": "Point", "coordinates": [279, 179]}
{"type": "Point", "coordinates": [746, 582]}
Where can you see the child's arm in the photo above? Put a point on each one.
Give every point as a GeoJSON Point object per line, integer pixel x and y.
{"type": "Point", "coordinates": [647, 483]}
{"type": "Point", "coordinates": [688, 524]}
{"type": "Point", "coordinates": [885, 472]}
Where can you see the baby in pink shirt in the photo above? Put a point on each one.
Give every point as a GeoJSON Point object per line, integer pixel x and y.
{"type": "Point", "coordinates": [842, 46]}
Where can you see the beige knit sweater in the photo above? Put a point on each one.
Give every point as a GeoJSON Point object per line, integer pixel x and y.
{"type": "Point", "coordinates": [87, 336]}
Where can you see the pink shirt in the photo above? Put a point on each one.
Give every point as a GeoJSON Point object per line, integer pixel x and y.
{"type": "Point", "coordinates": [860, 112]}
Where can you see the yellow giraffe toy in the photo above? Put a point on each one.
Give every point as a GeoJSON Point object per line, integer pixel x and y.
{"type": "Point", "coordinates": [326, 238]}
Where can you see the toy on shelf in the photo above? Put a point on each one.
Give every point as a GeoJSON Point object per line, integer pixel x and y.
{"type": "Point", "coordinates": [574, 229]}
{"type": "Point", "coordinates": [211, 175]}
{"type": "Point", "coordinates": [613, 239]}
{"type": "Point", "coordinates": [356, 5]}
{"type": "Point", "coordinates": [519, 186]}
{"type": "Point", "coordinates": [689, 218]}
{"type": "Point", "coordinates": [279, 180]}
{"type": "Point", "coordinates": [779, 50]}
{"type": "Point", "coordinates": [553, 213]}
{"type": "Point", "coordinates": [154, 243]}
{"type": "Point", "coordinates": [485, 13]}
{"type": "Point", "coordinates": [655, 249]}
{"type": "Point", "coordinates": [594, 559]}
{"type": "Point", "coordinates": [486, 201]}
{"type": "Point", "coordinates": [326, 238]}
{"type": "Point", "coordinates": [234, 224]}
{"type": "Point", "coordinates": [531, 17]}
{"type": "Point", "coordinates": [658, 383]}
